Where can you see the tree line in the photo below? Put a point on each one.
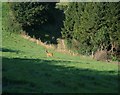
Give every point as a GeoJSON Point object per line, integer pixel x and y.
{"type": "Point", "coordinates": [87, 27]}
{"type": "Point", "coordinates": [92, 26]}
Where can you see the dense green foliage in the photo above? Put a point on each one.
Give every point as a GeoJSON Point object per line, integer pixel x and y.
{"type": "Point", "coordinates": [39, 19]}
{"type": "Point", "coordinates": [9, 22]}
{"type": "Point", "coordinates": [31, 13]}
{"type": "Point", "coordinates": [92, 26]}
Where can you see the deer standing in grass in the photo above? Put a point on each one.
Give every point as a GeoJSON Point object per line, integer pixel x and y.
{"type": "Point", "coordinates": [49, 54]}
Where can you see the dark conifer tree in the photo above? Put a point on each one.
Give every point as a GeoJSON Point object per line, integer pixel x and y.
{"type": "Point", "coordinates": [93, 25]}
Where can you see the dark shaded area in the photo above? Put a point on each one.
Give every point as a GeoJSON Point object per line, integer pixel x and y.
{"type": "Point", "coordinates": [42, 76]}
{"type": "Point", "coordinates": [8, 50]}
{"type": "Point", "coordinates": [51, 30]}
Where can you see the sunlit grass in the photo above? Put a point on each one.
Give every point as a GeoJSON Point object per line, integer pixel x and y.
{"type": "Point", "coordinates": [27, 69]}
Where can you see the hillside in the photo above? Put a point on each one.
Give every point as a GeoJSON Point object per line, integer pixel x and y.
{"type": "Point", "coordinates": [26, 68]}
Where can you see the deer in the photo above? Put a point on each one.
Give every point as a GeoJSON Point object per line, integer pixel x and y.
{"type": "Point", "coordinates": [49, 54]}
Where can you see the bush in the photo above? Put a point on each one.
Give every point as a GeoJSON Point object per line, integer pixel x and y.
{"type": "Point", "coordinates": [101, 55]}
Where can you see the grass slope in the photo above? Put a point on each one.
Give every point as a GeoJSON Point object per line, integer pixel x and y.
{"type": "Point", "coordinates": [27, 69]}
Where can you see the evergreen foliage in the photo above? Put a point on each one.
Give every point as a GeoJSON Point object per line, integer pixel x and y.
{"type": "Point", "coordinates": [32, 13]}
{"type": "Point", "coordinates": [93, 26]}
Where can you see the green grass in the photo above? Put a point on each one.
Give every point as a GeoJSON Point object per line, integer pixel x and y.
{"type": "Point", "coordinates": [26, 68]}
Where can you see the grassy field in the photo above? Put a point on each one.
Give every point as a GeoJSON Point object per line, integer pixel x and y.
{"type": "Point", "coordinates": [26, 68]}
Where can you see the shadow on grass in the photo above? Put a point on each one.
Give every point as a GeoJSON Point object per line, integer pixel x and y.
{"type": "Point", "coordinates": [44, 76]}
{"type": "Point", "coordinates": [8, 50]}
